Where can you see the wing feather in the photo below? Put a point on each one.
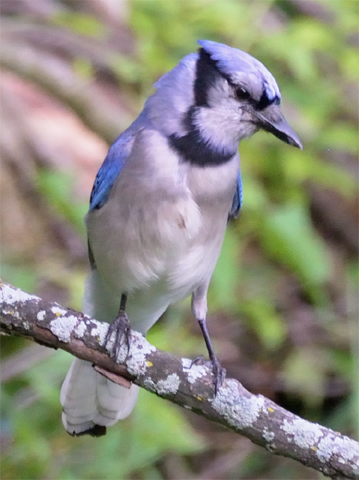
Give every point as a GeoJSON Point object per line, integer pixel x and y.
{"type": "Point", "coordinates": [113, 164]}
{"type": "Point", "coordinates": [237, 199]}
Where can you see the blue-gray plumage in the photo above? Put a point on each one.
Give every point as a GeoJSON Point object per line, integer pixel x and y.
{"type": "Point", "coordinates": [159, 209]}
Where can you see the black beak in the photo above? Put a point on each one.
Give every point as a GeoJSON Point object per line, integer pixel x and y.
{"type": "Point", "coordinates": [272, 120]}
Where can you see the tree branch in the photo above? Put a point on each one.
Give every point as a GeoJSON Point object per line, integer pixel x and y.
{"type": "Point", "coordinates": [254, 416]}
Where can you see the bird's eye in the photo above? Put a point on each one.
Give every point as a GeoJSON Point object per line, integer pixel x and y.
{"type": "Point", "coordinates": [242, 93]}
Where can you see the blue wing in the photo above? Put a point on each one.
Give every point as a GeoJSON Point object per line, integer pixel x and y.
{"type": "Point", "coordinates": [112, 165]}
{"type": "Point", "coordinates": [107, 175]}
{"type": "Point", "coordinates": [237, 199]}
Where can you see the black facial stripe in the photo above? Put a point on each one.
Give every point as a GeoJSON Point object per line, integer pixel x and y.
{"type": "Point", "coordinates": [192, 148]}
{"type": "Point", "coordinates": [260, 104]}
{"type": "Point", "coordinates": [264, 101]}
{"type": "Point", "coordinates": [206, 74]}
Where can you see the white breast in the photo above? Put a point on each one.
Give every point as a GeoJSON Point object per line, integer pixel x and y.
{"type": "Point", "coordinates": [162, 229]}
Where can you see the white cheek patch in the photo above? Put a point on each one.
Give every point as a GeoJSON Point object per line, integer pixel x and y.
{"type": "Point", "coordinates": [219, 125]}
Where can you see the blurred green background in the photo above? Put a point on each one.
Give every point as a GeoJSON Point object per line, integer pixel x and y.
{"type": "Point", "coordinates": [283, 300]}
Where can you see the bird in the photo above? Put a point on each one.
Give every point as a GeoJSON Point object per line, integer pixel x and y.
{"type": "Point", "coordinates": [159, 209]}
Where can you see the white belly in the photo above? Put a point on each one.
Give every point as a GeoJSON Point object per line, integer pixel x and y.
{"type": "Point", "coordinates": [159, 241]}
{"type": "Point", "coordinates": [176, 245]}
{"type": "Point", "coordinates": [156, 266]}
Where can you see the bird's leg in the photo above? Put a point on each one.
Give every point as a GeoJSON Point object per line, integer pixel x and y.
{"type": "Point", "coordinates": [218, 371]}
{"type": "Point", "coordinates": [199, 309]}
{"type": "Point", "coordinates": [120, 328]}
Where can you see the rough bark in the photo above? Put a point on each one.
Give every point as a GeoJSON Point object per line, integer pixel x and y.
{"type": "Point", "coordinates": [254, 416]}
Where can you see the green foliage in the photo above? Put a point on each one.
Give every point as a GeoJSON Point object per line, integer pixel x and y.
{"type": "Point", "coordinates": [225, 278]}
{"type": "Point", "coordinates": [57, 188]}
{"type": "Point", "coordinates": [266, 321]}
{"type": "Point", "coordinates": [23, 277]}
{"type": "Point", "coordinates": [40, 443]}
{"type": "Point", "coordinates": [287, 236]}
{"type": "Point", "coordinates": [80, 23]}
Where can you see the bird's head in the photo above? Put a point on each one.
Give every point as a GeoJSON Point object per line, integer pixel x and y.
{"type": "Point", "coordinates": [214, 99]}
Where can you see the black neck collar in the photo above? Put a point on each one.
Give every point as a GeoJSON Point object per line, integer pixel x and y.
{"type": "Point", "coordinates": [194, 149]}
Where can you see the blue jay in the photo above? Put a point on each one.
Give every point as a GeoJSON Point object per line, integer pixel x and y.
{"type": "Point", "coordinates": [159, 209]}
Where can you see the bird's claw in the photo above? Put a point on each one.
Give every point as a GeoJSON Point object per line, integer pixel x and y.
{"type": "Point", "coordinates": [121, 330]}
{"type": "Point", "coordinates": [200, 360]}
{"type": "Point", "coordinates": [219, 374]}
{"type": "Point", "coordinates": [218, 371]}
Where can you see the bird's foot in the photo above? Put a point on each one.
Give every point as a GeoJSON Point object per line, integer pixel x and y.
{"type": "Point", "coordinates": [218, 371]}
{"type": "Point", "coordinates": [119, 332]}
{"type": "Point", "coordinates": [219, 374]}
{"type": "Point", "coordinates": [200, 360]}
